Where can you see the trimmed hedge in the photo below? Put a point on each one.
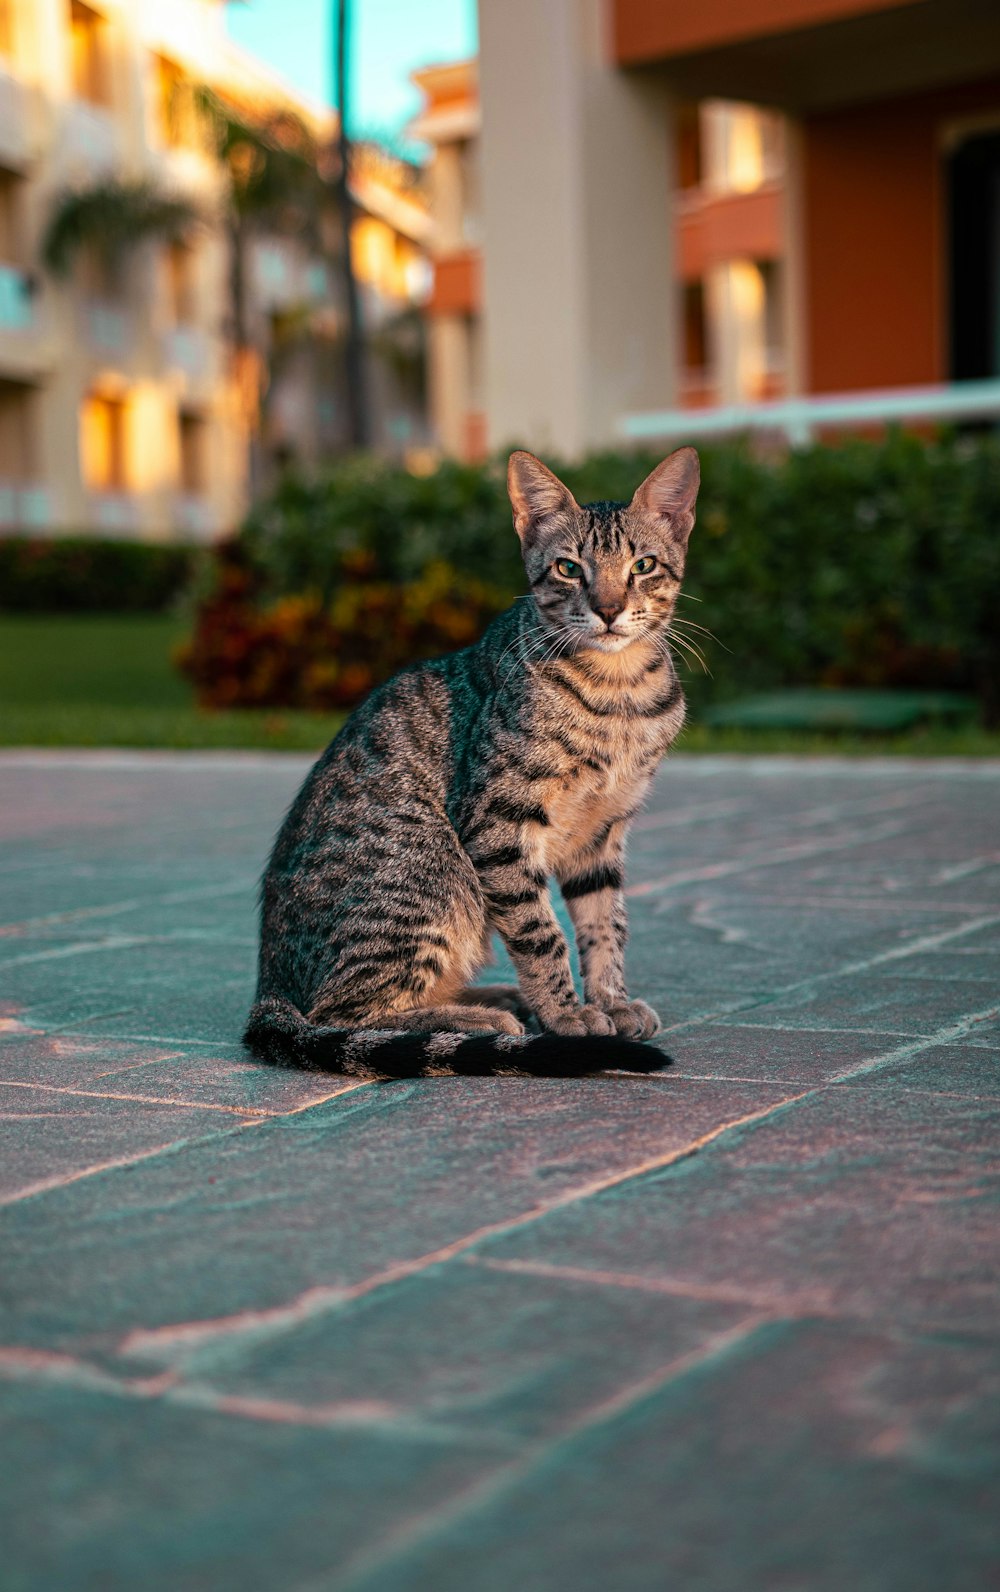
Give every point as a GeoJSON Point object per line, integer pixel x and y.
{"type": "Point", "coordinates": [862, 564]}
{"type": "Point", "coordinates": [77, 574]}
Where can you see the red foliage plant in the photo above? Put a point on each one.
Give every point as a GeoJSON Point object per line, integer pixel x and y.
{"type": "Point", "coordinates": [301, 652]}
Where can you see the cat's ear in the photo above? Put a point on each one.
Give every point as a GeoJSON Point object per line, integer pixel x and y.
{"type": "Point", "coordinates": [669, 493]}
{"type": "Point", "coordinates": [536, 494]}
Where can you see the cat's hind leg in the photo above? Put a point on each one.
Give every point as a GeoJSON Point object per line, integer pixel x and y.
{"type": "Point", "coordinates": [461, 1017]}
{"type": "Point", "coordinates": [506, 997]}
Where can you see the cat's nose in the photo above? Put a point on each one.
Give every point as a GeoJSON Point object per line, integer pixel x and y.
{"type": "Point", "coordinates": [610, 613]}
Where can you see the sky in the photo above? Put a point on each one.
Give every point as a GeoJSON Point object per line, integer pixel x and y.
{"type": "Point", "coordinates": [389, 39]}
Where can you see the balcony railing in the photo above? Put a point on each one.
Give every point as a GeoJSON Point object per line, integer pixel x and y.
{"type": "Point", "coordinates": [194, 516]}
{"type": "Point", "coordinates": [17, 300]}
{"type": "Point", "coordinates": [23, 508]}
{"type": "Point", "coordinates": [107, 327]}
{"type": "Point", "coordinates": [190, 350]}
{"type": "Point", "coordinates": [798, 418]}
{"type": "Point", "coordinates": [114, 512]}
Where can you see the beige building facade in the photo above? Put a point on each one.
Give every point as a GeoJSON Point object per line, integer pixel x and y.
{"type": "Point", "coordinates": [121, 409]}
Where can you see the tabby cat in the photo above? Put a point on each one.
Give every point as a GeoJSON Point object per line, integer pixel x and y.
{"type": "Point", "coordinates": [450, 797]}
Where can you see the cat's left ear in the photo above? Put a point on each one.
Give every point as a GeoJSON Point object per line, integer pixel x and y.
{"type": "Point", "coordinates": [536, 495]}
{"type": "Point", "coordinates": [669, 493]}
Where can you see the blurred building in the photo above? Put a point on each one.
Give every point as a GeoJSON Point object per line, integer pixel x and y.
{"type": "Point", "coordinates": [450, 123]}
{"type": "Point", "coordinates": [121, 409]}
{"type": "Point", "coordinates": [707, 203]}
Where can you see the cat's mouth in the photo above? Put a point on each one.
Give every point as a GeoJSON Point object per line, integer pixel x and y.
{"type": "Point", "coordinates": [609, 640]}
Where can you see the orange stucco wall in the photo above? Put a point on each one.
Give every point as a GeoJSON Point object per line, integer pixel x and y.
{"type": "Point", "coordinates": [457, 284]}
{"type": "Point", "coordinates": [729, 227]}
{"type": "Point", "coordinates": [873, 194]}
{"type": "Point", "coordinates": [651, 30]}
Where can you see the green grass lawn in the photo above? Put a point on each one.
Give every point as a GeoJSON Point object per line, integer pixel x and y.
{"type": "Point", "coordinates": [107, 680]}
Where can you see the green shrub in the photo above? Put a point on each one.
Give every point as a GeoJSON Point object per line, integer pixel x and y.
{"type": "Point", "coordinates": [864, 563]}
{"type": "Point", "coordinates": [74, 574]}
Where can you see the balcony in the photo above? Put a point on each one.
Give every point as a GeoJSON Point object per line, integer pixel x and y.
{"type": "Point", "coordinates": [114, 512]}
{"type": "Point", "coordinates": [24, 507]}
{"type": "Point", "coordinates": [712, 228]}
{"type": "Point", "coordinates": [23, 349]}
{"type": "Point", "coordinates": [107, 328]}
{"type": "Point", "coordinates": [191, 353]}
{"type": "Point", "coordinates": [194, 516]}
{"type": "Point", "coordinates": [807, 55]}
{"type": "Point", "coordinates": [457, 284]}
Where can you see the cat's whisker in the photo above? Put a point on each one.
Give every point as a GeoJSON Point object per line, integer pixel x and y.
{"type": "Point", "coordinates": [689, 625]}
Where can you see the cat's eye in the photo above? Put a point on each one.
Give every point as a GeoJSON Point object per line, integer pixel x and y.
{"type": "Point", "coordinates": [569, 568]}
{"type": "Point", "coordinates": [644, 566]}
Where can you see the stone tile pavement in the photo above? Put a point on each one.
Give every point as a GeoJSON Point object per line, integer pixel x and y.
{"type": "Point", "coordinates": [729, 1327]}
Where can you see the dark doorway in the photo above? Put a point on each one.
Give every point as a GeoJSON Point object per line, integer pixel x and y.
{"type": "Point", "coordinates": [974, 264]}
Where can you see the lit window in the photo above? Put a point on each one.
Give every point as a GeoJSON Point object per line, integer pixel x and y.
{"type": "Point", "coordinates": [102, 443]}
{"type": "Point", "coordinates": [88, 59]}
{"type": "Point", "coordinates": [8, 41]}
{"type": "Point", "coordinates": [176, 111]}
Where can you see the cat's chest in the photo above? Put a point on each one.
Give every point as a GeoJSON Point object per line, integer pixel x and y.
{"type": "Point", "coordinates": [580, 802]}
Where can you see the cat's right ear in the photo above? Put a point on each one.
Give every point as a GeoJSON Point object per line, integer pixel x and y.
{"type": "Point", "coordinates": [536, 495]}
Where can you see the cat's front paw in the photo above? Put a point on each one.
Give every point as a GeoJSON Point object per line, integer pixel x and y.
{"type": "Point", "coordinates": [582, 1020]}
{"type": "Point", "coordinates": [634, 1020]}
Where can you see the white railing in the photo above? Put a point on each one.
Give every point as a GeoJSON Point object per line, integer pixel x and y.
{"type": "Point", "coordinates": [797, 418]}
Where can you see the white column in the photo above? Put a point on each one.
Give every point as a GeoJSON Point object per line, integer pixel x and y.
{"type": "Point", "coordinates": [577, 178]}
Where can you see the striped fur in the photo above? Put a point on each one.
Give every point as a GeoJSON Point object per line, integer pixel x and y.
{"type": "Point", "coordinates": [460, 788]}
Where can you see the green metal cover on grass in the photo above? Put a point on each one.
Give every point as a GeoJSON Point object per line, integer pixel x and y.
{"type": "Point", "coordinates": [840, 710]}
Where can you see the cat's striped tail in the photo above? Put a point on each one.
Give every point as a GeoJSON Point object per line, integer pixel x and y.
{"type": "Point", "coordinates": [276, 1031]}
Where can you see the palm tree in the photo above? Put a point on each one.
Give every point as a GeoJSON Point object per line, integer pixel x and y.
{"type": "Point", "coordinates": [354, 351]}
{"type": "Point", "coordinates": [109, 220]}
{"type": "Point", "coordinates": [275, 186]}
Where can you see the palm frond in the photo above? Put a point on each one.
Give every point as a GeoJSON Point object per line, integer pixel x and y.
{"type": "Point", "coordinates": [111, 218]}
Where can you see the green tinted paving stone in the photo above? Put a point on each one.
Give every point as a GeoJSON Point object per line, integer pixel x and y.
{"type": "Point", "coordinates": [487, 1351]}
{"type": "Point", "coordinates": [108, 1492]}
{"type": "Point", "coordinates": [801, 1455]}
{"type": "Point", "coordinates": [841, 710]}
{"type": "Point", "coordinates": [472, 1334]}
{"type": "Point", "coordinates": [160, 988]}
{"type": "Point", "coordinates": [225, 1078]}
{"type": "Point", "coordinates": [949, 1069]}
{"type": "Point", "coordinates": [879, 1002]}
{"type": "Point", "coordinates": [793, 1057]}
{"type": "Point", "coordinates": [255, 1217]}
{"type": "Point", "coordinates": [47, 1137]}
{"type": "Point", "coordinates": [859, 1200]}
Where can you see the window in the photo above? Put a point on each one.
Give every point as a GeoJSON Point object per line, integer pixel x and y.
{"type": "Point", "coordinates": [102, 443]}
{"type": "Point", "coordinates": [193, 439]}
{"type": "Point", "coordinates": [743, 146]}
{"type": "Point", "coordinates": [182, 283]}
{"type": "Point", "coordinates": [17, 437]}
{"type": "Point", "coordinates": [8, 37]}
{"type": "Point", "coordinates": [88, 55]}
{"type": "Point", "coordinates": [688, 146]}
{"type": "Point", "coordinates": [176, 110]}
{"type": "Point", "coordinates": [695, 329]}
{"type": "Point", "coordinates": [11, 232]}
